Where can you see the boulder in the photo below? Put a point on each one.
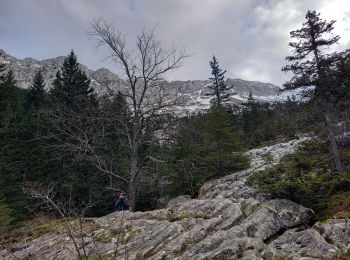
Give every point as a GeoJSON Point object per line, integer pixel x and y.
{"type": "Point", "coordinates": [178, 200]}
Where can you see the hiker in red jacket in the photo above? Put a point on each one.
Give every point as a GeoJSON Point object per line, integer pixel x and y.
{"type": "Point", "coordinates": [122, 202]}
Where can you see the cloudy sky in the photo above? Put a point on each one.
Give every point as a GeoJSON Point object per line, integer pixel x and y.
{"type": "Point", "coordinates": [249, 37]}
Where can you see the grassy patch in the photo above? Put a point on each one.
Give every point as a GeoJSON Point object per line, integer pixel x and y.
{"type": "Point", "coordinates": [33, 229]}
{"type": "Point", "coordinates": [339, 205]}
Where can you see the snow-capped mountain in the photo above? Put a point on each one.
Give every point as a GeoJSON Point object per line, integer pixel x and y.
{"type": "Point", "coordinates": [103, 79]}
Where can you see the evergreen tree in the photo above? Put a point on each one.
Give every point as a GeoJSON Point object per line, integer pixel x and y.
{"type": "Point", "coordinates": [35, 96]}
{"type": "Point", "coordinates": [250, 98]}
{"type": "Point", "coordinates": [2, 69]}
{"type": "Point", "coordinates": [339, 76]}
{"type": "Point", "coordinates": [5, 216]}
{"type": "Point", "coordinates": [121, 109]}
{"type": "Point", "coordinates": [7, 90]}
{"type": "Point", "coordinates": [251, 121]}
{"type": "Point", "coordinates": [310, 65]}
{"type": "Point", "coordinates": [2, 86]}
{"type": "Point", "coordinates": [73, 122]}
{"type": "Point", "coordinates": [251, 104]}
{"type": "Point", "coordinates": [12, 153]}
{"type": "Point", "coordinates": [71, 87]}
{"type": "Point", "coordinates": [206, 146]}
{"type": "Point", "coordinates": [309, 62]}
{"type": "Point", "coordinates": [222, 141]}
{"type": "Point", "coordinates": [57, 93]}
{"type": "Point", "coordinates": [9, 80]}
{"type": "Point", "coordinates": [218, 88]}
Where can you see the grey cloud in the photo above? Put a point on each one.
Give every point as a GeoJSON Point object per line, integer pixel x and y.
{"type": "Point", "coordinates": [249, 37]}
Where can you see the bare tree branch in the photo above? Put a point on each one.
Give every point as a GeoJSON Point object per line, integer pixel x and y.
{"type": "Point", "coordinates": [144, 69]}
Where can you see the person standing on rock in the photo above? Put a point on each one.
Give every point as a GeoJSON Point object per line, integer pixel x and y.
{"type": "Point", "coordinates": [122, 202]}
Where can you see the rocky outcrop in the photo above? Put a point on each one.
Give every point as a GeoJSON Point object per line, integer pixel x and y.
{"type": "Point", "coordinates": [25, 69]}
{"type": "Point", "coordinates": [322, 241]}
{"type": "Point", "coordinates": [229, 220]}
{"type": "Point", "coordinates": [178, 200]}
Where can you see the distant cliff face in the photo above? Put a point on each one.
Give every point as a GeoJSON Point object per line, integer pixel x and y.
{"type": "Point", "coordinates": [196, 90]}
{"type": "Point", "coordinates": [102, 79]}
{"type": "Point", "coordinates": [26, 68]}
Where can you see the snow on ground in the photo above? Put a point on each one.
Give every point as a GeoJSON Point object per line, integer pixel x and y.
{"type": "Point", "coordinates": [284, 95]}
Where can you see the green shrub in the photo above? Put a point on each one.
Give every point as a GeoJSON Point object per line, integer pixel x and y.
{"type": "Point", "coordinates": [305, 177]}
{"type": "Point", "coordinates": [5, 217]}
{"type": "Point", "coordinates": [339, 205]}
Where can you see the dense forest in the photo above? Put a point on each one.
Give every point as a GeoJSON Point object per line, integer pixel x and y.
{"type": "Point", "coordinates": [80, 149]}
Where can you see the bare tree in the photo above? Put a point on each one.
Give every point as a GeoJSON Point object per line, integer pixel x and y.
{"type": "Point", "coordinates": [83, 237]}
{"type": "Point", "coordinates": [84, 136]}
{"type": "Point", "coordinates": [68, 212]}
{"type": "Point", "coordinates": [144, 69]}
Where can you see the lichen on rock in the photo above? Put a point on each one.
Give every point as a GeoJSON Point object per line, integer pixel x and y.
{"type": "Point", "coordinates": [228, 220]}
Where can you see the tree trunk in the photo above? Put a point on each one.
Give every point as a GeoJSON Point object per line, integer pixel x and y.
{"type": "Point", "coordinates": [218, 96]}
{"type": "Point", "coordinates": [133, 171]}
{"type": "Point", "coordinates": [332, 144]}
{"type": "Point", "coordinates": [132, 195]}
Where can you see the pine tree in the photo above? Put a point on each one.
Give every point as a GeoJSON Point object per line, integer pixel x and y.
{"type": "Point", "coordinates": [251, 116]}
{"type": "Point", "coordinates": [2, 70]}
{"type": "Point", "coordinates": [309, 62]}
{"type": "Point", "coordinates": [250, 99]}
{"type": "Point", "coordinates": [218, 88]}
{"type": "Point", "coordinates": [222, 141]}
{"type": "Point", "coordinates": [36, 94]}
{"type": "Point", "coordinates": [72, 118]}
{"type": "Point", "coordinates": [56, 91]}
{"type": "Point", "coordinates": [205, 146]}
{"type": "Point", "coordinates": [2, 85]}
{"type": "Point", "coordinates": [310, 65]}
{"type": "Point", "coordinates": [9, 79]}
{"type": "Point", "coordinates": [7, 90]}
{"type": "Point", "coordinates": [12, 134]}
{"type": "Point", "coordinates": [71, 88]}
{"type": "Point", "coordinates": [5, 216]}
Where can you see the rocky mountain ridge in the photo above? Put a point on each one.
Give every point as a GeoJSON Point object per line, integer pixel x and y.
{"type": "Point", "coordinates": [27, 67]}
{"type": "Point", "coordinates": [228, 220]}
{"type": "Point", "coordinates": [103, 79]}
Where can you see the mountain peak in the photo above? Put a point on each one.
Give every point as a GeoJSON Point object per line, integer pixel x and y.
{"type": "Point", "coordinates": [103, 79]}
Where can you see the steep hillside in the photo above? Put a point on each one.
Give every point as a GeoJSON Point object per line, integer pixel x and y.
{"type": "Point", "coordinates": [194, 91]}
{"type": "Point", "coordinates": [229, 220]}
